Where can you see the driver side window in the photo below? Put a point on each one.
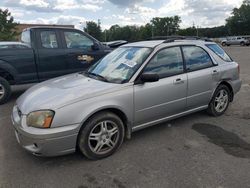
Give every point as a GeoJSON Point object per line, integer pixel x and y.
{"type": "Point", "coordinates": [75, 40]}
{"type": "Point", "coordinates": [167, 62]}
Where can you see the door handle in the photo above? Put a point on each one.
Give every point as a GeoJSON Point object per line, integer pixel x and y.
{"type": "Point", "coordinates": [178, 81]}
{"type": "Point", "coordinates": [214, 72]}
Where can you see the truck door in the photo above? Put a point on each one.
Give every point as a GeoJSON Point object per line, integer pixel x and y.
{"type": "Point", "coordinates": [50, 60]}
{"type": "Point", "coordinates": [79, 51]}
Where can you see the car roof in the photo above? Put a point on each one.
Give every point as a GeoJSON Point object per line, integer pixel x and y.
{"type": "Point", "coordinates": [160, 43]}
{"type": "Point", "coordinates": [148, 44]}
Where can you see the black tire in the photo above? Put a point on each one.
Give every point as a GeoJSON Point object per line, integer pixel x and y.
{"type": "Point", "coordinates": [5, 90]}
{"type": "Point", "coordinates": [84, 143]}
{"type": "Point", "coordinates": [242, 43]}
{"type": "Point", "coordinates": [212, 110]}
{"type": "Point", "coordinates": [228, 44]}
{"type": "Point", "coordinates": [223, 44]}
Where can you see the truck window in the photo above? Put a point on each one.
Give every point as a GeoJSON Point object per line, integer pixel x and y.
{"type": "Point", "coordinates": [25, 37]}
{"type": "Point", "coordinates": [77, 40]}
{"type": "Point", "coordinates": [48, 39]}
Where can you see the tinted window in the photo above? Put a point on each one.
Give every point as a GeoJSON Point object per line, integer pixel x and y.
{"type": "Point", "coordinates": [77, 40]}
{"type": "Point", "coordinates": [219, 51]}
{"type": "Point", "coordinates": [48, 39]}
{"type": "Point", "coordinates": [196, 58]}
{"type": "Point", "coordinates": [167, 62]}
{"type": "Point", "coordinates": [25, 37]}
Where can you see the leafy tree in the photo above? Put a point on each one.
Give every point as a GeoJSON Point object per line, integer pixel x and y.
{"type": "Point", "coordinates": [94, 29]}
{"type": "Point", "coordinates": [7, 26]}
{"type": "Point", "coordinates": [239, 22]}
{"type": "Point", "coordinates": [165, 26]}
{"type": "Point", "coordinates": [146, 32]}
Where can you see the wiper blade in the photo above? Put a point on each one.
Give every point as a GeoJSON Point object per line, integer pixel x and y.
{"type": "Point", "coordinates": [97, 75]}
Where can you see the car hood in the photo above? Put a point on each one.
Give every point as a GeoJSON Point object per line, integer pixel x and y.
{"type": "Point", "coordinates": [61, 91]}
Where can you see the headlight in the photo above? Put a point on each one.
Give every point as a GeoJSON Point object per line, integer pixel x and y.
{"type": "Point", "coordinates": [40, 119]}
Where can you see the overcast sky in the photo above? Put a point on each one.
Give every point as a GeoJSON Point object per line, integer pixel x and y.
{"type": "Point", "coordinates": [204, 13]}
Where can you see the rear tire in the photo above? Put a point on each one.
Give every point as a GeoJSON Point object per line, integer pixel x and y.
{"type": "Point", "coordinates": [5, 90]}
{"type": "Point", "coordinates": [220, 101]}
{"type": "Point", "coordinates": [101, 136]}
{"type": "Point", "coordinates": [223, 44]}
{"type": "Point", "coordinates": [242, 43]}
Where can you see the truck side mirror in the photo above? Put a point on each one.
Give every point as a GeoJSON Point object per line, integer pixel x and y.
{"type": "Point", "coordinates": [95, 46]}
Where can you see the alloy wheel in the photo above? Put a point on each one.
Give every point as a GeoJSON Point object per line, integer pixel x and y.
{"type": "Point", "coordinates": [103, 137]}
{"type": "Point", "coordinates": [221, 101]}
{"type": "Point", "coordinates": [2, 91]}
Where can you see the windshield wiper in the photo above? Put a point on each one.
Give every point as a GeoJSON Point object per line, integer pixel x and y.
{"type": "Point", "coordinates": [97, 76]}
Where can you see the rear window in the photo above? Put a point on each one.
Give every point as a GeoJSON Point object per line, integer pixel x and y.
{"type": "Point", "coordinates": [220, 52]}
{"type": "Point", "coordinates": [26, 37]}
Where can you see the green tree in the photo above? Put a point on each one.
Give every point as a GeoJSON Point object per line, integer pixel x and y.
{"type": "Point", "coordinates": [7, 26]}
{"type": "Point", "coordinates": [239, 22]}
{"type": "Point", "coordinates": [165, 26]}
{"type": "Point", "coordinates": [94, 29]}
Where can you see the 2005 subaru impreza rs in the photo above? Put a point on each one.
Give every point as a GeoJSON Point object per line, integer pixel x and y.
{"type": "Point", "coordinates": [135, 86]}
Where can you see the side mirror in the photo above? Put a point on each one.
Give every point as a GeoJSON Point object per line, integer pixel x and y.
{"type": "Point", "coordinates": [149, 77]}
{"type": "Point", "coordinates": [95, 46]}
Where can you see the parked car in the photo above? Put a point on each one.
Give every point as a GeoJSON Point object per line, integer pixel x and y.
{"type": "Point", "coordinates": [135, 86]}
{"type": "Point", "coordinates": [235, 41]}
{"type": "Point", "coordinates": [48, 52]}
{"type": "Point", "coordinates": [13, 45]}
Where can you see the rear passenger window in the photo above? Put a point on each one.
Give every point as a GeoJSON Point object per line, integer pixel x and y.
{"type": "Point", "coordinates": [167, 62]}
{"type": "Point", "coordinates": [196, 58]}
{"type": "Point", "coordinates": [219, 51]}
{"type": "Point", "coordinates": [48, 39]}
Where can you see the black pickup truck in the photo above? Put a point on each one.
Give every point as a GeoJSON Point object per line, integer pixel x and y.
{"type": "Point", "coordinates": [51, 52]}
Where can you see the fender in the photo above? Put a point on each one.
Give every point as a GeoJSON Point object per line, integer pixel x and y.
{"type": "Point", "coordinates": [128, 126]}
{"type": "Point", "coordinates": [4, 65]}
{"type": "Point", "coordinates": [228, 83]}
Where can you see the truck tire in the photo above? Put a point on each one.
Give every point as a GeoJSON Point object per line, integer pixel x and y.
{"type": "Point", "coordinates": [5, 90]}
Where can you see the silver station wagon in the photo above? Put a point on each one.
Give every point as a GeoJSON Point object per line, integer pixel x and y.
{"type": "Point", "coordinates": [135, 86]}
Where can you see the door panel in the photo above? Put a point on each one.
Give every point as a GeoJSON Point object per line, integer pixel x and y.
{"type": "Point", "coordinates": [160, 99]}
{"type": "Point", "coordinates": [166, 97]}
{"type": "Point", "coordinates": [51, 56]}
{"type": "Point", "coordinates": [201, 74]}
{"type": "Point", "coordinates": [199, 88]}
{"type": "Point", "coordinates": [78, 50]}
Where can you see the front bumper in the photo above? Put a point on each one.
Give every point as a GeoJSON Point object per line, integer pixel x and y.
{"type": "Point", "coordinates": [45, 142]}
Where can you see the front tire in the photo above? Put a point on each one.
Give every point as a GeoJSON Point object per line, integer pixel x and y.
{"type": "Point", "coordinates": [242, 43]}
{"type": "Point", "coordinates": [220, 101]}
{"type": "Point", "coordinates": [5, 90]}
{"type": "Point", "coordinates": [101, 136]}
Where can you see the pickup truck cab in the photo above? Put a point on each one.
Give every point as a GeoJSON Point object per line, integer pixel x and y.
{"type": "Point", "coordinates": [51, 52]}
{"type": "Point", "coordinates": [236, 41]}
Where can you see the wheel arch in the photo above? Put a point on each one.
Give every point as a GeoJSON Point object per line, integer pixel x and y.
{"type": "Point", "coordinates": [117, 111]}
{"type": "Point", "coordinates": [8, 72]}
{"type": "Point", "coordinates": [226, 83]}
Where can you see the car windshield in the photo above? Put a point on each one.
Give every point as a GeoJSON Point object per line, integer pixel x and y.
{"type": "Point", "coordinates": [119, 65]}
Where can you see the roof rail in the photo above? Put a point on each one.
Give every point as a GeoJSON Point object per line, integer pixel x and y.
{"type": "Point", "coordinates": [174, 38]}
